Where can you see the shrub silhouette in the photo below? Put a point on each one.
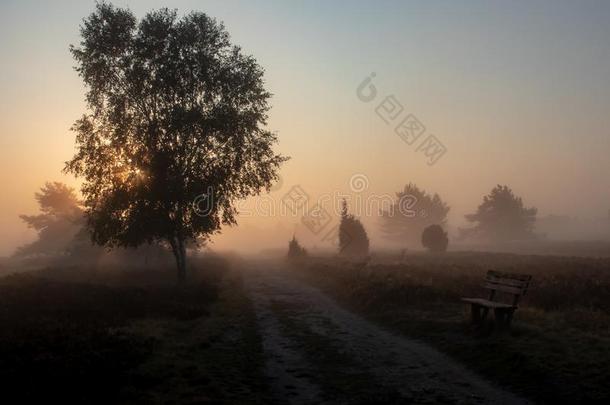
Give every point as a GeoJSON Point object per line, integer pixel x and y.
{"type": "Point", "coordinates": [295, 250]}
{"type": "Point", "coordinates": [435, 239]}
{"type": "Point", "coordinates": [353, 240]}
{"type": "Point", "coordinates": [413, 211]}
{"type": "Point", "coordinates": [58, 224]}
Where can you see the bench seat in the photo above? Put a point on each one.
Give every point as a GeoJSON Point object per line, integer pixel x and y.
{"type": "Point", "coordinates": [487, 303]}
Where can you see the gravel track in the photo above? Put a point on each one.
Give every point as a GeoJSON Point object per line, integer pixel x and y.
{"type": "Point", "coordinates": [410, 371]}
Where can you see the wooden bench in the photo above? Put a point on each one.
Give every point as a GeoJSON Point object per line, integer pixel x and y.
{"type": "Point", "coordinates": [507, 284]}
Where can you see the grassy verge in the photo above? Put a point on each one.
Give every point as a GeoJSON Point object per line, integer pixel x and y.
{"type": "Point", "coordinates": [217, 359]}
{"type": "Point", "coordinates": [556, 349]}
{"type": "Point", "coordinates": [128, 337]}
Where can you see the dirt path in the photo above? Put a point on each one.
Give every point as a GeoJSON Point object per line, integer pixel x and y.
{"type": "Point", "coordinates": [318, 352]}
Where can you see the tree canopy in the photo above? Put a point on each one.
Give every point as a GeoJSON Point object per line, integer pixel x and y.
{"type": "Point", "coordinates": [501, 217]}
{"type": "Point", "coordinates": [175, 112]}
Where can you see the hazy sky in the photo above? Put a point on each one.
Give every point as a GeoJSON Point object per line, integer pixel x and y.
{"type": "Point", "coordinates": [518, 92]}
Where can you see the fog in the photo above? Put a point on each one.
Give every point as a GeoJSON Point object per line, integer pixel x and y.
{"type": "Point", "coordinates": [516, 98]}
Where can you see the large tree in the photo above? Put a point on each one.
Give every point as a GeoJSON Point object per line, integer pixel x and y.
{"type": "Point", "coordinates": [176, 120]}
{"type": "Point", "coordinates": [501, 217]}
{"type": "Point", "coordinates": [413, 211]}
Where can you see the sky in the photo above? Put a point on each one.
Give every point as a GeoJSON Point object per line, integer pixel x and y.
{"type": "Point", "coordinates": [516, 92]}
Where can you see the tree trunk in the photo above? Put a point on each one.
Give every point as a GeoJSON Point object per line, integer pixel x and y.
{"type": "Point", "coordinates": [182, 267]}
{"type": "Point", "coordinates": [179, 251]}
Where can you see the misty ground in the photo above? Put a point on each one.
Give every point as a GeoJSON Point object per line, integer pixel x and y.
{"type": "Point", "coordinates": [320, 330]}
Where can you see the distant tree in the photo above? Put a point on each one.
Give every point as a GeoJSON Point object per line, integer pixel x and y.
{"type": "Point", "coordinates": [174, 134]}
{"type": "Point", "coordinates": [353, 240]}
{"type": "Point", "coordinates": [501, 217]}
{"type": "Point", "coordinates": [59, 222]}
{"type": "Point", "coordinates": [435, 239]}
{"type": "Point", "coordinates": [295, 250]}
{"type": "Point", "coordinates": [413, 211]}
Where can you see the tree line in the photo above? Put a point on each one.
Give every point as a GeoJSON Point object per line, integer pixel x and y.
{"type": "Point", "coordinates": [422, 221]}
{"type": "Point", "coordinates": [62, 228]}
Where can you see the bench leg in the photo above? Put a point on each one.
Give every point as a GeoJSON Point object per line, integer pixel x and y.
{"type": "Point", "coordinates": [478, 316]}
{"type": "Point", "coordinates": [503, 317]}
{"type": "Point", "coordinates": [484, 315]}
{"type": "Point", "coordinates": [475, 310]}
{"type": "Point", "coordinates": [509, 317]}
{"type": "Point", "coordinates": [499, 316]}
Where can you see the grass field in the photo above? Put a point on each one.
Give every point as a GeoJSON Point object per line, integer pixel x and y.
{"type": "Point", "coordinates": [557, 348]}
{"type": "Point", "coordinates": [129, 337]}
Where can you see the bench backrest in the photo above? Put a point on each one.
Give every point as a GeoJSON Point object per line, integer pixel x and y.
{"type": "Point", "coordinates": [515, 284]}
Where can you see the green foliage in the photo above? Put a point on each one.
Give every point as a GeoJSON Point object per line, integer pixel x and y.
{"type": "Point", "coordinates": [435, 239]}
{"type": "Point", "coordinates": [175, 111]}
{"type": "Point", "coordinates": [501, 217]}
{"type": "Point", "coordinates": [413, 211]}
{"type": "Point", "coordinates": [353, 240]}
